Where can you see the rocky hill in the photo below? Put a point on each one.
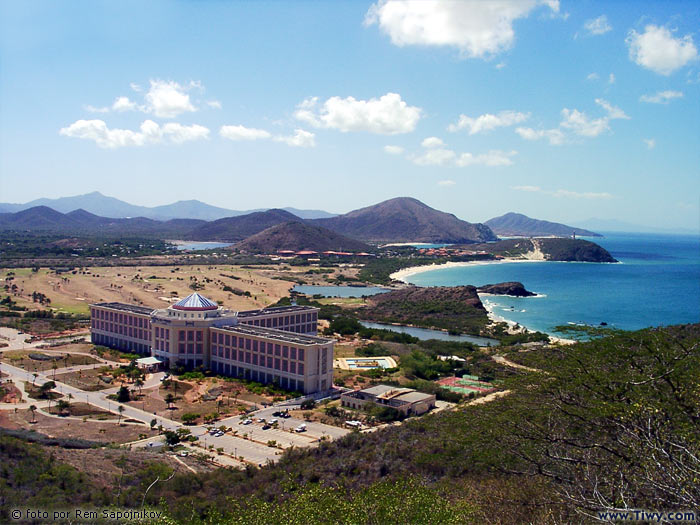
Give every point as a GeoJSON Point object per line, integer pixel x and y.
{"type": "Point", "coordinates": [238, 228]}
{"type": "Point", "coordinates": [517, 224]}
{"type": "Point", "coordinates": [549, 249]}
{"type": "Point", "coordinates": [295, 235]}
{"type": "Point", "coordinates": [403, 220]}
{"type": "Point", "coordinates": [454, 308]}
{"type": "Point", "coordinates": [512, 288]}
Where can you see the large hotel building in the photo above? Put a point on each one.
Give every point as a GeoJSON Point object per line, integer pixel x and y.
{"type": "Point", "coordinates": [269, 345]}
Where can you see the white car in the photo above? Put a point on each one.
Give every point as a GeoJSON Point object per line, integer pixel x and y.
{"type": "Point", "coordinates": [273, 421]}
{"type": "Point", "coordinates": [300, 428]}
{"type": "Point", "coordinates": [246, 422]}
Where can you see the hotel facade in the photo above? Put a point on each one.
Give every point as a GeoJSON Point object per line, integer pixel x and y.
{"type": "Point", "coordinates": [269, 345]}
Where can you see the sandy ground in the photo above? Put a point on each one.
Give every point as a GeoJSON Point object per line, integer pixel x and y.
{"type": "Point", "coordinates": [402, 275]}
{"type": "Point", "coordinates": [108, 432]}
{"type": "Point", "coordinates": [153, 286]}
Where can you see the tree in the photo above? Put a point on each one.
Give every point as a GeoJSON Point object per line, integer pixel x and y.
{"type": "Point", "coordinates": [154, 421]}
{"type": "Point", "coordinates": [121, 411]}
{"type": "Point", "coordinates": [171, 438]}
{"type": "Point", "coordinates": [45, 389]}
{"type": "Point", "coordinates": [123, 395]}
{"type": "Point", "coordinates": [308, 404]}
{"type": "Point", "coordinates": [54, 366]}
{"type": "Point", "coordinates": [63, 407]}
{"type": "Point", "coordinates": [32, 408]}
{"type": "Point", "coordinates": [169, 399]}
{"type": "Point", "coordinates": [189, 418]}
{"type": "Point", "coordinates": [139, 384]}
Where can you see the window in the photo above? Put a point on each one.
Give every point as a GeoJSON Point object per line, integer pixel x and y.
{"type": "Point", "coordinates": [190, 335]}
{"type": "Point", "coordinates": [228, 340]}
{"type": "Point", "coordinates": [293, 352]}
{"type": "Point", "coordinates": [199, 335]}
{"type": "Point", "coordinates": [182, 335]}
{"type": "Point", "coordinates": [300, 369]}
{"type": "Point", "coordinates": [301, 354]}
{"type": "Point", "coordinates": [293, 367]}
{"type": "Point", "coordinates": [198, 348]}
{"type": "Point", "coordinates": [285, 352]}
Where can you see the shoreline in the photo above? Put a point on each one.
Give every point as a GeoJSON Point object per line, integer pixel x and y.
{"type": "Point", "coordinates": [513, 326]}
{"type": "Point", "coordinates": [404, 273]}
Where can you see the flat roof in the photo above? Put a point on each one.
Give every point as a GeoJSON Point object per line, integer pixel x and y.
{"type": "Point", "coordinates": [149, 361]}
{"type": "Point", "coordinates": [134, 309]}
{"type": "Point", "coordinates": [275, 309]}
{"type": "Point", "coordinates": [378, 390]}
{"type": "Point", "coordinates": [277, 335]}
{"type": "Point", "coordinates": [414, 397]}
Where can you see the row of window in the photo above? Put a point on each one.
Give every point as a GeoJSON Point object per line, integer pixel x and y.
{"type": "Point", "coordinates": [121, 344]}
{"type": "Point", "coordinates": [256, 375]}
{"type": "Point", "coordinates": [116, 317]}
{"type": "Point", "coordinates": [246, 343]}
{"type": "Point", "coordinates": [162, 333]}
{"type": "Point", "coordinates": [275, 363]}
{"type": "Point", "coordinates": [114, 328]}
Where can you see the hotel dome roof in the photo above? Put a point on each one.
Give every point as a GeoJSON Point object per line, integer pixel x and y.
{"type": "Point", "coordinates": [196, 303]}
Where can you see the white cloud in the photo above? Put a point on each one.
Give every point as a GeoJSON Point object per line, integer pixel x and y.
{"type": "Point", "coordinates": [93, 109]}
{"type": "Point", "coordinates": [149, 133]}
{"type": "Point", "coordinates": [435, 157]}
{"type": "Point", "coordinates": [592, 76]}
{"type": "Point", "coordinates": [123, 104]}
{"type": "Point", "coordinates": [432, 142]}
{"type": "Point", "coordinates": [581, 195]}
{"type": "Point", "coordinates": [533, 189]}
{"type": "Point", "coordinates": [300, 139]}
{"type": "Point", "coordinates": [492, 158]}
{"type": "Point", "coordinates": [651, 143]}
{"type": "Point", "coordinates": [178, 133]}
{"type": "Point", "coordinates": [488, 122]}
{"type": "Point", "coordinates": [598, 26]}
{"type": "Point", "coordinates": [446, 183]}
{"type": "Point", "coordinates": [394, 150]}
{"type": "Point", "coordinates": [135, 87]}
{"type": "Point", "coordinates": [613, 111]}
{"type": "Point", "coordinates": [564, 193]}
{"type": "Point", "coordinates": [387, 115]}
{"type": "Point", "coordinates": [477, 28]}
{"type": "Point", "coordinates": [658, 50]}
{"type": "Point", "coordinates": [662, 97]}
{"type": "Point", "coordinates": [611, 78]}
{"type": "Point", "coordinates": [243, 133]}
{"type": "Point", "coordinates": [555, 136]}
{"type": "Point", "coordinates": [214, 104]}
{"type": "Point", "coordinates": [447, 157]}
{"type": "Point", "coordinates": [168, 99]}
{"type": "Point", "coordinates": [579, 123]}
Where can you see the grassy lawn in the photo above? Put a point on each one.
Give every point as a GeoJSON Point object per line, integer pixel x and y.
{"type": "Point", "coordinates": [88, 380]}
{"type": "Point", "coordinates": [84, 410]}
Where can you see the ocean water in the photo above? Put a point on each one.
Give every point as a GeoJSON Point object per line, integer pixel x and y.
{"type": "Point", "coordinates": [427, 333]}
{"type": "Point", "coordinates": [656, 283]}
{"type": "Point", "coordinates": [201, 245]}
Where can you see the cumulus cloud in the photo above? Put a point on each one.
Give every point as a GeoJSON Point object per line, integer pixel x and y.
{"type": "Point", "coordinates": [597, 26]}
{"type": "Point", "coordinates": [386, 115]}
{"type": "Point", "coordinates": [592, 76]}
{"type": "Point", "coordinates": [555, 136]}
{"type": "Point", "coordinates": [243, 133]}
{"type": "Point", "coordinates": [164, 99]}
{"type": "Point", "coordinates": [491, 158]}
{"type": "Point", "coordinates": [432, 142]}
{"type": "Point", "coordinates": [149, 133]}
{"type": "Point", "coordinates": [214, 104]}
{"type": "Point", "coordinates": [446, 183]}
{"type": "Point", "coordinates": [657, 49]}
{"type": "Point", "coordinates": [662, 97]}
{"type": "Point", "coordinates": [611, 78]}
{"type": "Point", "coordinates": [476, 28]}
{"type": "Point", "coordinates": [488, 122]}
{"type": "Point", "coordinates": [575, 122]}
{"type": "Point", "coordinates": [650, 143]}
{"type": "Point", "coordinates": [394, 150]}
{"type": "Point", "coordinates": [168, 99]}
{"type": "Point", "coordinates": [300, 139]}
{"type": "Point", "coordinates": [435, 157]}
{"type": "Point", "coordinates": [564, 193]}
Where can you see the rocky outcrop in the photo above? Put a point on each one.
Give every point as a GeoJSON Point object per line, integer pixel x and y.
{"type": "Point", "coordinates": [512, 288]}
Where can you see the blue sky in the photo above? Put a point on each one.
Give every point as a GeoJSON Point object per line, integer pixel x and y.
{"type": "Point", "coordinates": [560, 110]}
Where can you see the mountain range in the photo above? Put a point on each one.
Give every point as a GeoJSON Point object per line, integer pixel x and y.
{"type": "Point", "coordinates": [397, 220]}
{"type": "Point", "coordinates": [517, 224]}
{"type": "Point", "coordinates": [111, 207]}
{"type": "Point", "coordinates": [294, 235]}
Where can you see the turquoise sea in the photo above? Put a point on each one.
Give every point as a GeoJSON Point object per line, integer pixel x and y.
{"type": "Point", "coordinates": [656, 283]}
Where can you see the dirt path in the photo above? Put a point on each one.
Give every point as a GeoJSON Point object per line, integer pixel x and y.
{"type": "Point", "coordinates": [507, 362]}
{"type": "Point", "coordinates": [490, 397]}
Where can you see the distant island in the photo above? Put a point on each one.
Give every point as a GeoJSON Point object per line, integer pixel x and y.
{"type": "Point", "coordinates": [517, 224]}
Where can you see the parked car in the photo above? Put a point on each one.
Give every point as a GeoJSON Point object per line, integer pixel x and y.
{"type": "Point", "coordinates": [301, 428]}
{"type": "Point", "coordinates": [266, 426]}
{"type": "Point", "coordinates": [273, 421]}
{"type": "Point", "coordinates": [246, 422]}
{"type": "Point", "coordinates": [261, 420]}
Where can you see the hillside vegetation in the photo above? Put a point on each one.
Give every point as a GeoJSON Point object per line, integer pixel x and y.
{"type": "Point", "coordinates": [604, 425]}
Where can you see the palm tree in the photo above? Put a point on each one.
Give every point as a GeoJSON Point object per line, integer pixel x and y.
{"type": "Point", "coordinates": [54, 366]}
{"type": "Point", "coordinates": [35, 375]}
{"type": "Point", "coordinates": [121, 411]}
{"type": "Point", "coordinates": [139, 384]}
{"type": "Point", "coordinates": [32, 408]}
